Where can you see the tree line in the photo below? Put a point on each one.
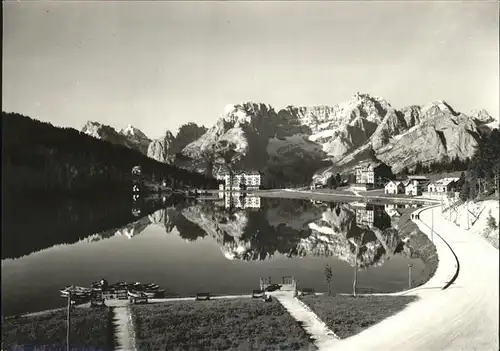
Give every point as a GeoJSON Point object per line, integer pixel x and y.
{"type": "Point", "coordinates": [483, 173]}
{"type": "Point", "coordinates": [444, 165]}
{"type": "Point", "coordinates": [38, 157]}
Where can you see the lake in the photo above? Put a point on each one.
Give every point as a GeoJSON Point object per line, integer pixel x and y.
{"type": "Point", "coordinates": [222, 246]}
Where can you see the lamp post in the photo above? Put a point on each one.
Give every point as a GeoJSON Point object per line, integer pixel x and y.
{"type": "Point", "coordinates": [69, 321]}
{"type": "Point", "coordinates": [409, 274]}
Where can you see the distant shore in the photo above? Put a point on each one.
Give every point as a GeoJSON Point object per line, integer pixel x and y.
{"type": "Point", "coordinates": [341, 195]}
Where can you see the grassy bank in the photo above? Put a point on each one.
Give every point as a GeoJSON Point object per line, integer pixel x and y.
{"type": "Point", "coordinates": [90, 329]}
{"type": "Point", "coordinates": [242, 324]}
{"type": "Point", "coordinates": [418, 246]}
{"type": "Point", "coordinates": [347, 315]}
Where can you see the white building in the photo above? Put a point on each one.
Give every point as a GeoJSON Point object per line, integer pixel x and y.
{"type": "Point", "coordinates": [394, 187]}
{"type": "Point", "coordinates": [444, 185]}
{"type": "Point", "coordinates": [415, 187]}
{"type": "Point", "coordinates": [373, 174]}
{"type": "Point", "coordinates": [244, 180]}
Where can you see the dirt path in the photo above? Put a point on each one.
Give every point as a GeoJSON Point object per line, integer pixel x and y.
{"type": "Point", "coordinates": [124, 329]}
{"type": "Point", "coordinates": [323, 337]}
{"type": "Point", "coordinates": [464, 316]}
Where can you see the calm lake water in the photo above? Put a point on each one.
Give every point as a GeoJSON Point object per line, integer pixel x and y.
{"type": "Point", "coordinates": [186, 247]}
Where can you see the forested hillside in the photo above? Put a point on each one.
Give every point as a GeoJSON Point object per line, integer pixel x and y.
{"type": "Point", "coordinates": [38, 157]}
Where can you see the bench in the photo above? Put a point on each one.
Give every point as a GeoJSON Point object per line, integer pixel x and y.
{"type": "Point", "coordinates": [257, 293]}
{"type": "Point", "coordinates": [202, 296]}
{"type": "Point", "coordinates": [307, 291]}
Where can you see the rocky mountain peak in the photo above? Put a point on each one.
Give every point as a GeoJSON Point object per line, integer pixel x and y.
{"type": "Point", "coordinates": [132, 131]}
{"type": "Point", "coordinates": [135, 133]}
{"type": "Point", "coordinates": [242, 113]}
{"type": "Point", "coordinates": [161, 149]}
{"type": "Point", "coordinates": [437, 107]}
{"type": "Point", "coordinates": [482, 116]}
{"type": "Point", "coordinates": [93, 129]}
{"type": "Point", "coordinates": [130, 137]}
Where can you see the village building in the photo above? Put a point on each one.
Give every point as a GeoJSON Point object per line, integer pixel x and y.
{"type": "Point", "coordinates": [420, 178]}
{"type": "Point", "coordinates": [412, 186]}
{"type": "Point", "coordinates": [444, 185]}
{"type": "Point", "coordinates": [373, 174]}
{"type": "Point", "coordinates": [415, 187]}
{"type": "Point", "coordinates": [240, 180]}
{"type": "Point", "coordinates": [394, 187]}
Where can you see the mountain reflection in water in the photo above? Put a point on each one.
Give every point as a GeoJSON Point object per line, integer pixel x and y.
{"type": "Point", "coordinates": [186, 246]}
{"type": "Point", "coordinates": [249, 229]}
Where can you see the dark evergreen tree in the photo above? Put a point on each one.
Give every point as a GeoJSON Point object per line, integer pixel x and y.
{"type": "Point", "coordinates": [338, 179]}
{"type": "Point", "coordinates": [461, 181]}
{"type": "Point", "coordinates": [465, 191]}
{"type": "Point", "coordinates": [332, 183]}
{"type": "Point", "coordinates": [418, 168]}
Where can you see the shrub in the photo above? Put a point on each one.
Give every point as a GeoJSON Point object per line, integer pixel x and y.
{"type": "Point", "coordinates": [491, 222]}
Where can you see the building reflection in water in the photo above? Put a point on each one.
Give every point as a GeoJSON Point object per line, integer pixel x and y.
{"type": "Point", "coordinates": [241, 200]}
{"type": "Point", "coordinates": [371, 216]}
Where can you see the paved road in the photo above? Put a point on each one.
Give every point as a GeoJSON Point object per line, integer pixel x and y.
{"type": "Point", "coordinates": [462, 317]}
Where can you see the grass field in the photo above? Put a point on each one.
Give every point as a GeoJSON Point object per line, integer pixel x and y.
{"type": "Point", "coordinates": [240, 324]}
{"type": "Point", "coordinates": [347, 315]}
{"type": "Point", "coordinates": [90, 329]}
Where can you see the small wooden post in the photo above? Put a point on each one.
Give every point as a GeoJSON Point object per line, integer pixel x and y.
{"type": "Point", "coordinates": [69, 321]}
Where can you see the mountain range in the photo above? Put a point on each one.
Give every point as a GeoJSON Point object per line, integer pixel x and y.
{"type": "Point", "coordinates": [130, 136]}
{"type": "Point", "coordinates": [297, 144]}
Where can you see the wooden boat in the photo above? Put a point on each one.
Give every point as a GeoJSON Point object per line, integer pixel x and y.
{"type": "Point", "coordinates": [136, 294]}
{"type": "Point", "coordinates": [75, 291]}
{"type": "Point", "coordinates": [151, 290]}
{"type": "Point", "coordinates": [137, 289]}
{"type": "Point", "coordinates": [273, 287]}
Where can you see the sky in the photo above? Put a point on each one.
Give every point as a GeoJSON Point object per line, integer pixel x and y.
{"type": "Point", "coordinates": [158, 65]}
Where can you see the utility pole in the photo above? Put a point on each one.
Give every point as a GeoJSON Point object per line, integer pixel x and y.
{"type": "Point", "coordinates": [409, 274]}
{"type": "Point", "coordinates": [69, 321]}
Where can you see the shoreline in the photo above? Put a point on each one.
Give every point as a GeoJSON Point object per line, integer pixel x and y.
{"type": "Point", "coordinates": [341, 196]}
